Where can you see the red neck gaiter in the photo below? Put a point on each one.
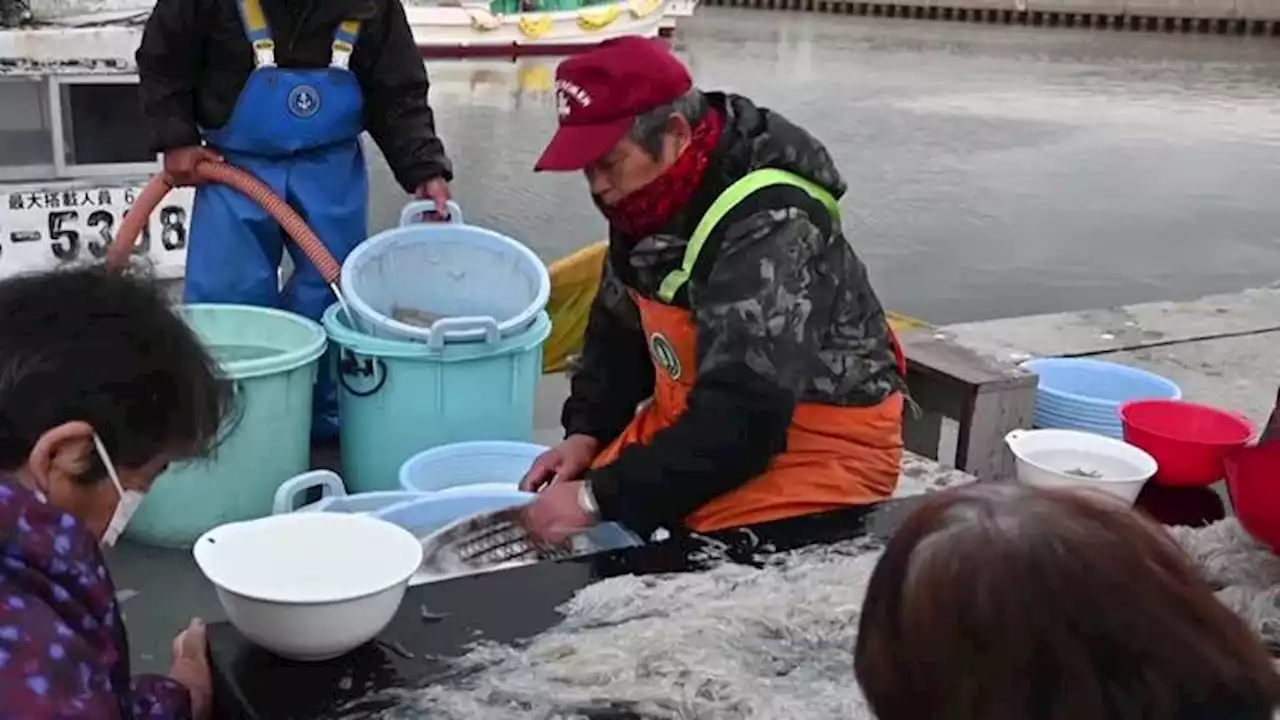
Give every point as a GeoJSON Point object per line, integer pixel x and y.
{"type": "Point", "coordinates": [649, 208]}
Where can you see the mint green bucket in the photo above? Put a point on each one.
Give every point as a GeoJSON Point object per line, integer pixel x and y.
{"type": "Point", "coordinates": [272, 356]}
{"type": "Point", "coordinates": [397, 398]}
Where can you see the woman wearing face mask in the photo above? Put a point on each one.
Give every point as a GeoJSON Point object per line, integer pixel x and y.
{"type": "Point", "coordinates": [101, 387]}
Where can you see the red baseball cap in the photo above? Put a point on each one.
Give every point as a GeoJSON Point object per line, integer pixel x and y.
{"type": "Point", "coordinates": [600, 93]}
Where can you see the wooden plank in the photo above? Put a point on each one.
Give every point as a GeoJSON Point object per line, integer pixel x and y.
{"type": "Point", "coordinates": [935, 356]}
{"type": "Point", "coordinates": [923, 434]}
{"type": "Point", "coordinates": [981, 449]}
{"type": "Point", "coordinates": [1091, 332]}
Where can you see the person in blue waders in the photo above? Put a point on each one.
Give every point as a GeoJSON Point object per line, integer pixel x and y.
{"type": "Point", "coordinates": [283, 89]}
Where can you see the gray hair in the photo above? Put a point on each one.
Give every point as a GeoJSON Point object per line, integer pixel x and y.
{"type": "Point", "coordinates": [648, 129]}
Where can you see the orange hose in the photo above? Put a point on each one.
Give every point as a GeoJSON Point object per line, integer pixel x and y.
{"type": "Point", "coordinates": [156, 189]}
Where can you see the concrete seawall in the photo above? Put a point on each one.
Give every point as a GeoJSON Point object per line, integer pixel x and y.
{"type": "Point", "coordinates": [1240, 17]}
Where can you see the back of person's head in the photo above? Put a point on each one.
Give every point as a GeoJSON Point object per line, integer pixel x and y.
{"type": "Point", "coordinates": [1003, 602]}
{"type": "Point", "coordinates": [80, 347]}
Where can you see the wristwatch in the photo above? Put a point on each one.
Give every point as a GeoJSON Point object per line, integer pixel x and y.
{"type": "Point", "coordinates": [587, 500]}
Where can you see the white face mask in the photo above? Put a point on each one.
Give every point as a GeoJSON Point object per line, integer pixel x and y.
{"type": "Point", "coordinates": [129, 499]}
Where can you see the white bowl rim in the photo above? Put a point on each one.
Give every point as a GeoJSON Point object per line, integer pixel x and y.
{"type": "Point", "coordinates": [390, 530]}
{"type": "Point", "coordinates": [1130, 452]}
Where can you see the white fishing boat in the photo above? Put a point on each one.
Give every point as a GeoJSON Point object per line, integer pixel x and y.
{"type": "Point", "coordinates": [676, 11]}
{"type": "Point", "coordinates": [72, 153]}
{"type": "Point", "coordinates": [528, 27]}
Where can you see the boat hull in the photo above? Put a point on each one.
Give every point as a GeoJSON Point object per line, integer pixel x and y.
{"type": "Point", "coordinates": [474, 31]}
{"type": "Point", "coordinates": [79, 45]}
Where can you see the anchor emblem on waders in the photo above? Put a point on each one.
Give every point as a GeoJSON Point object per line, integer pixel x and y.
{"type": "Point", "coordinates": [664, 355]}
{"type": "Point", "coordinates": [304, 101]}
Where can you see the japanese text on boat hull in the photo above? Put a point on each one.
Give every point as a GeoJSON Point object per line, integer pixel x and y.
{"type": "Point", "coordinates": [48, 227]}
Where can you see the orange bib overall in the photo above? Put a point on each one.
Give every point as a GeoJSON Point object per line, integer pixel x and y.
{"type": "Point", "coordinates": [835, 457]}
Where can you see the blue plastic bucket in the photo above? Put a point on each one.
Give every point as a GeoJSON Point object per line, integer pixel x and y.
{"type": "Point", "coordinates": [436, 510]}
{"type": "Point", "coordinates": [454, 279]}
{"type": "Point", "coordinates": [272, 356]}
{"type": "Point", "coordinates": [1085, 394]}
{"type": "Point", "coordinates": [292, 495]}
{"type": "Point", "coordinates": [397, 398]}
{"type": "Point", "coordinates": [424, 513]}
{"type": "Point", "coordinates": [469, 463]}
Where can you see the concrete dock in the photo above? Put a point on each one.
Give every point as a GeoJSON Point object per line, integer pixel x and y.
{"type": "Point", "coordinates": [1221, 350]}
{"type": "Point", "coordinates": [1240, 17]}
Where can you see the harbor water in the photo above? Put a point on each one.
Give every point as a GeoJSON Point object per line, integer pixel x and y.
{"type": "Point", "coordinates": [993, 170]}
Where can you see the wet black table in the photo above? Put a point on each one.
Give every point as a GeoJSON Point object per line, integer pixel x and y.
{"type": "Point", "coordinates": [502, 606]}
{"type": "Point", "coordinates": [517, 604]}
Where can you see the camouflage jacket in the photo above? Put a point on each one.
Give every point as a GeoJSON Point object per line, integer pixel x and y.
{"type": "Point", "coordinates": [784, 311]}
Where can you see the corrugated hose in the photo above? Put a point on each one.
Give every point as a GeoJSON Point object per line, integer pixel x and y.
{"type": "Point", "coordinates": [294, 226]}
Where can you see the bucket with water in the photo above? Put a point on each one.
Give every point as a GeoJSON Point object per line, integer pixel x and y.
{"type": "Point", "coordinates": [397, 398]}
{"type": "Point", "coordinates": [272, 357]}
{"type": "Point", "coordinates": [443, 281]}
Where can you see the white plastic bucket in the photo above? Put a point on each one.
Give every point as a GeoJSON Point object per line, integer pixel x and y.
{"type": "Point", "coordinates": [463, 280]}
{"type": "Point", "coordinates": [1072, 459]}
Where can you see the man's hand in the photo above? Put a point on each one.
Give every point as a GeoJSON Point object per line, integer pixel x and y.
{"type": "Point", "coordinates": [558, 513]}
{"type": "Point", "coordinates": [436, 190]}
{"type": "Point", "coordinates": [191, 667]}
{"type": "Point", "coordinates": [562, 463]}
{"type": "Point", "coordinates": [180, 164]}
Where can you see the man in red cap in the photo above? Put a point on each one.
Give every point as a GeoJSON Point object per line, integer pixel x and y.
{"type": "Point", "coordinates": [730, 301]}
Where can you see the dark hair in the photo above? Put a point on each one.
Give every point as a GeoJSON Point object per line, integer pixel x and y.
{"type": "Point", "coordinates": [1002, 602]}
{"type": "Point", "coordinates": [80, 344]}
{"type": "Point", "coordinates": [649, 128]}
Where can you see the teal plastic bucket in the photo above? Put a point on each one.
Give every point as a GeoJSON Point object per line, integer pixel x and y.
{"type": "Point", "coordinates": [397, 398]}
{"type": "Point", "coordinates": [273, 357]}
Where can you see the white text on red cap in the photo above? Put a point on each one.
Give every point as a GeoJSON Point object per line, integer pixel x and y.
{"type": "Point", "coordinates": [567, 91]}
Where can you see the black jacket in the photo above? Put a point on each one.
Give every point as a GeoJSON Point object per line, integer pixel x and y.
{"type": "Point", "coordinates": [784, 310]}
{"type": "Point", "coordinates": [194, 60]}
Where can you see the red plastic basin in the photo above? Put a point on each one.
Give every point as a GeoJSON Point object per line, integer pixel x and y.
{"type": "Point", "coordinates": [1189, 441]}
{"type": "Point", "coordinates": [1253, 480]}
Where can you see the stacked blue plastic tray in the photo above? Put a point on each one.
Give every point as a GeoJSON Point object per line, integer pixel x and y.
{"type": "Point", "coordinates": [1083, 394]}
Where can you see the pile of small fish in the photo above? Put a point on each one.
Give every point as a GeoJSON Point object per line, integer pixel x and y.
{"type": "Point", "coordinates": [732, 642]}
{"type": "Point", "coordinates": [1243, 571]}
{"type": "Point", "coordinates": [743, 643]}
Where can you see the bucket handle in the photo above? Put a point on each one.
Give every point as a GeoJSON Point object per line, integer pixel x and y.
{"type": "Point", "coordinates": [454, 324]}
{"type": "Point", "coordinates": [417, 208]}
{"type": "Point", "coordinates": [293, 488]}
{"type": "Point", "coordinates": [348, 364]}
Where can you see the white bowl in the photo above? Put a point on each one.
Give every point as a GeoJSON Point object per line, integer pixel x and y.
{"type": "Point", "coordinates": [309, 586]}
{"type": "Point", "coordinates": [1053, 458]}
